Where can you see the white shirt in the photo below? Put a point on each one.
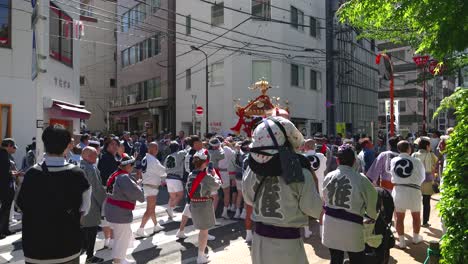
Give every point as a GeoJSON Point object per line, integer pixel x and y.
{"type": "Point", "coordinates": [318, 167]}
{"type": "Point", "coordinates": [229, 155]}
{"type": "Point", "coordinates": [154, 170]}
{"type": "Point", "coordinates": [413, 173]}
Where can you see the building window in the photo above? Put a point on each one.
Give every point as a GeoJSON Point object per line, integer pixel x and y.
{"type": "Point", "coordinates": [5, 121]}
{"type": "Point", "coordinates": [154, 88]}
{"type": "Point", "coordinates": [313, 27]}
{"type": "Point", "coordinates": [217, 73]}
{"type": "Point", "coordinates": [188, 79]}
{"type": "Point", "coordinates": [132, 55]}
{"type": "Point", "coordinates": [297, 75]}
{"type": "Point", "coordinates": [261, 69]}
{"type": "Point", "coordinates": [112, 83]}
{"type": "Point", "coordinates": [125, 22]}
{"type": "Point", "coordinates": [217, 14]}
{"type": "Point", "coordinates": [297, 18]}
{"type": "Point", "coordinates": [402, 106]}
{"type": "Point", "coordinates": [125, 58]}
{"type": "Point", "coordinates": [188, 25]}
{"type": "Point", "coordinates": [5, 23]}
{"type": "Point", "coordinates": [261, 9]}
{"type": "Point", "coordinates": [82, 80]}
{"type": "Point", "coordinates": [86, 9]}
{"type": "Point", "coordinates": [82, 103]}
{"type": "Point", "coordinates": [61, 36]}
{"type": "Point", "coordinates": [420, 106]}
{"type": "Point", "coordinates": [382, 107]}
{"type": "Point", "coordinates": [155, 5]}
{"type": "Point", "coordinates": [141, 9]}
{"type": "Point", "coordinates": [315, 80]}
{"type": "Point", "coordinates": [155, 45]}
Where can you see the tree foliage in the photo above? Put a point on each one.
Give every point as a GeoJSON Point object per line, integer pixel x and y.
{"type": "Point", "coordinates": [453, 206]}
{"type": "Point", "coordinates": [435, 27]}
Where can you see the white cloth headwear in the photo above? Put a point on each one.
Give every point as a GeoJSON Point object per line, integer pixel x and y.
{"type": "Point", "coordinates": [261, 137]}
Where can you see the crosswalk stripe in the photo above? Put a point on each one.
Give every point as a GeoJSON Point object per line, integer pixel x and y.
{"type": "Point", "coordinates": [11, 248]}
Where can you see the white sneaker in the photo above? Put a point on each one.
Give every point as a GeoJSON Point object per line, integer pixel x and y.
{"type": "Point", "coordinates": [401, 243]}
{"type": "Point", "coordinates": [237, 215]}
{"type": "Point", "coordinates": [202, 259]}
{"type": "Point", "coordinates": [170, 213]}
{"type": "Point", "coordinates": [243, 214]}
{"type": "Point", "coordinates": [180, 234]}
{"type": "Point", "coordinates": [225, 213]}
{"type": "Point", "coordinates": [232, 208]}
{"type": "Point", "coordinates": [307, 232]}
{"type": "Point", "coordinates": [141, 232]}
{"type": "Point", "coordinates": [248, 236]}
{"type": "Point", "coordinates": [211, 238]}
{"type": "Point", "coordinates": [158, 228]}
{"type": "Point", "coordinates": [417, 238]}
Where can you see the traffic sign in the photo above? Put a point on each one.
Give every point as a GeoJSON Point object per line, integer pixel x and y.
{"type": "Point", "coordinates": [199, 110]}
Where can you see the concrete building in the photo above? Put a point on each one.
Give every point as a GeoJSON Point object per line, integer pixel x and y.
{"type": "Point", "coordinates": [409, 93]}
{"type": "Point", "coordinates": [98, 59]}
{"type": "Point", "coordinates": [39, 77]}
{"type": "Point", "coordinates": [281, 41]}
{"type": "Point", "coordinates": [145, 99]}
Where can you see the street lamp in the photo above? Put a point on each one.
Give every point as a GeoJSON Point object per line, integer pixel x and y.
{"type": "Point", "coordinates": [206, 83]}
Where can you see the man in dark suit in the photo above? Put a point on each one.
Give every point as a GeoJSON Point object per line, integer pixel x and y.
{"type": "Point", "coordinates": [7, 184]}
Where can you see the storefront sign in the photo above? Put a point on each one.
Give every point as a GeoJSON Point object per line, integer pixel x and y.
{"type": "Point", "coordinates": [62, 83]}
{"type": "Point", "coordinates": [215, 127]}
{"type": "Point", "coordinates": [39, 123]}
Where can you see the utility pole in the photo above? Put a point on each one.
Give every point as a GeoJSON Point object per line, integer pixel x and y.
{"type": "Point", "coordinates": [330, 91]}
{"type": "Point", "coordinates": [194, 120]}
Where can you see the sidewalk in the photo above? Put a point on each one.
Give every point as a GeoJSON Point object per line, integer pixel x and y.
{"type": "Point", "coordinates": [238, 251]}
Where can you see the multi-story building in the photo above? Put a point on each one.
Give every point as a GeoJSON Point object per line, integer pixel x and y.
{"type": "Point", "coordinates": [39, 69]}
{"type": "Point", "coordinates": [145, 99]}
{"type": "Point", "coordinates": [98, 60]}
{"type": "Point", "coordinates": [409, 90]}
{"type": "Point", "coordinates": [356, 79]}
{"type": "Point", "coordinates": [244, 41]}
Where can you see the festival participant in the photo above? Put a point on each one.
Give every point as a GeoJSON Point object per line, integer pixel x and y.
{"type": "Point", "coordinates": [429, 160]}
{"type": "Point", "coordinates": [379, 172]}
{"type": "Point", "coordinates": [54, 196]}
{"type": "Point", "coordinates": [174, 164]}
{"type": "Point", "coordinates": [153, 171]}
{"type": "Point", "coordinates": [280, 187]}
{"type": "Point", "coordinates": [216, 155]}
{"type": "Point", "coordinates": [122, 193]}
{"type": "Point", "coordinates": [200, 185]}
{"type": "Point", "coordinates": [242, 163]}
{"type": "Point", "coordinates": [367, 154]}
{"type": "Point", "coordinates": [92, 220]}
{"type": "Point", "coordinates": [224, 169]}
{"type": "Point", "coordinates": [318, 162]}
{"type": "Point", "coordinates": [108, 164]}
{"type": "Point", "coordinates": [348, 196]}
{"type": "Point", "coordinates": [407, 175]}
{"type": "Point", "coordinates": [127, 143]}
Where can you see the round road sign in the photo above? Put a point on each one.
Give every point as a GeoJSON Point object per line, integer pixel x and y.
{"type": "Point", "coordinates": [199, 110]}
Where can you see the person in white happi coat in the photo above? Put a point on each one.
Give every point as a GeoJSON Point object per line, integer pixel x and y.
{"type": "Point", "coordinates": [153, 171]}
{"type": "Point", "coordinates": [348, 196]}
{"type": "Point", "coordinates": [318, 162]}
{"type": "Point", "coordinates": [280, 187]}
{"type": "Point", "coordinates": [407, 176]}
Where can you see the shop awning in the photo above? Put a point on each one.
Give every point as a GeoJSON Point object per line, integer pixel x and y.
{"type": "Point", "coordinates": [66, 109]}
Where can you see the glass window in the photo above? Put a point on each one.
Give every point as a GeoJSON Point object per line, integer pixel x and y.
{"type": "Point", "coordinates": [131, 17]}
{"type": "Point", "coordinates": [151, 89]}
{"type": "Point", "coordinates": [420, 106]}
{"type": "Point", "coordinates": [261, 69]}
{"type": "Point", "coordinates": [382, 107]}
{"type": "Point", "coordinates": [402, 106]}
{"type": "Point", "coordinates": [313, 27]}
{"type": "Point", "coordinates": [297, 18]}
{"type": "Point", "coordinates": [157, 88]}
{"type": "Point", "coordinates": [141, 12]}
{"type": "Point", "coordinates": [149, 50]}
{"type": "Point", "coordinates": [145, 90]}
{"type": "Point", "coordinates": [124, 22]}
{"type": "Point", "coordinates": [217, 14]}
{"type": "Point", "coordinates": [155, 40]}
{"type": "Point", "coordinates": [313, 80]}
{"type": "Point", "coordinates": [142, 51]}
{"type": "Point", "coordinates": [86, 9]}
{"type": "Point", "coordinates": [188, 79]}
{"type": "Point", "coordinates": [132, 55]}
{"type": "Point", "coordinates": [261, 9]}
{"type": "Point", "coordinates": [188, 25]}
{"type": "Point", "coordinates": [60, 36]}
{"type": "Point", "coordinates": [137, 53]}
{"type": "Point", "coordinates": [217, 73]}
{"type": "Point", "coordinates": [5, 23]}
{"type": "Point", "coordinates": [297, 75]}
{"type": "Point", "coordinates": [155, 5]}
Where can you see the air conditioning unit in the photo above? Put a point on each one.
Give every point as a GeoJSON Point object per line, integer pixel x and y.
{"type": "Point", "coordinates": [131, 99]}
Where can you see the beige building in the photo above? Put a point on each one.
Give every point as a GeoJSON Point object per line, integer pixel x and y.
{"type": "Point", "coordinates": [98, 58]}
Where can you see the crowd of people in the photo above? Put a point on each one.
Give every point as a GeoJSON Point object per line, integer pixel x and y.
{"type": "Point", "coordinates": [277, 181]}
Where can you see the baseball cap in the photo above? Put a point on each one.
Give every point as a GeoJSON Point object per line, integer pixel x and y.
{"type": "Point", "coordinates": [9, 142]}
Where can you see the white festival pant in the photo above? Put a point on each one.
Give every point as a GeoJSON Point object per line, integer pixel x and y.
{"type": "Point", "coordinates": [123, 236]}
